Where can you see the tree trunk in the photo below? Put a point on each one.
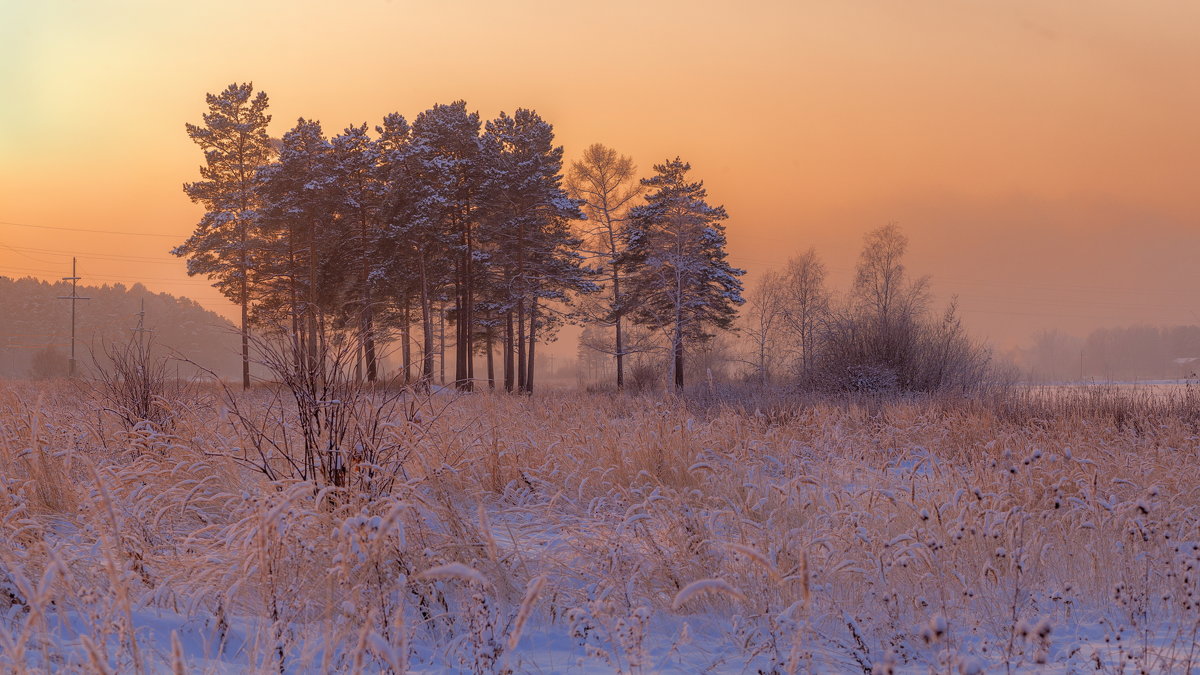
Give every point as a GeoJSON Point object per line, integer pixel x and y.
{"type": "Point", "coordinates": [460, 342]}
{"type": "Point", "coordinates": [369, 342]}
{"type": "Point", "coordinates": [245, 337]}
{"type": "Point", "coordinates": [468, 316]}
{"type": "Point", "coordinates": [491, 367]}
{"type": "Point", "coordinates": [677, 337]}
{"type": "Point", "coordinates": [297, 338]}
{"type": "Point", "coordinates": [297, 343]}
{"type": "Point", "coordinates": [245, 298]}
{"type": "Point", "coordinates": [508, 352]}
{"type": "Point", "coordinates": [406, 340]}
{"type": "Point", "coordinates": [521, 363]}
{"type": "Point", "coordinates": [442, 344]}
{"type": "Point", "coordinates": [426, 327]}
{"type": "Point", "coordinates": [762, 359]}
{"type": "Point", "coordinates": [532, 344]}
{"type": "Point", "coordinates": [620, 344]}
{"type": "Point", "coordinates": [310, 308]}
{"type": "Point", "coordinates": [678, 349]}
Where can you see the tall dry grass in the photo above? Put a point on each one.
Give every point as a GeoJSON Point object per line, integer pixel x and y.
{"type": "Point", "coordinates": [848, 535]}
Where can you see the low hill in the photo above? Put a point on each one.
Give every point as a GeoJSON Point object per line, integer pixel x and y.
{"type": "Point", "coordinates": [35, 327]}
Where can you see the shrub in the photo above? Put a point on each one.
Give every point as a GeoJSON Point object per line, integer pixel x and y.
{"type": "Point", "coordinates": [132, 382]}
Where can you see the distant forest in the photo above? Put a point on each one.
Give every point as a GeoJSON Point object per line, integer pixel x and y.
{"type": "Point", "coordinates": [35, 336]}
{"type": "Point", "coordinates": [1120, 354]}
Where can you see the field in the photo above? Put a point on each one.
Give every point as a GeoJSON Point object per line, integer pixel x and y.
{"type": "Point", "coordinates": [569, 532]}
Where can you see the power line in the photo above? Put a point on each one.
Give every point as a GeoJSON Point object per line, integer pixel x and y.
{"type": "Point", "coordinates": [959, 281]}
{"type": "Point", "coordinates": [115, 278]}
{"type": "Point", "coordinates": [1051, 303]}
{"type": "Point", "coordinates": [80, 229]}
{"type": "Point", "coordinates": [20, 250]}
{"type": "Point", "coordinates": [14, 249]}
{"type": "Point", "coordinates": [141, 329]}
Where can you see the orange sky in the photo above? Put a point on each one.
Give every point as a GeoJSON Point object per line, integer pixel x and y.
{"type": "Point", "coordinates": [1044, 156]}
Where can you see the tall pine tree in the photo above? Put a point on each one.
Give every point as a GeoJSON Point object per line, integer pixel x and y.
{"type": "Point", "coordinates": [305, 270]}
{"type": "Point", "coordinates": [444, 153]}
{"type": "Point", "coordinates": [417, 235]}
{"type": "Point", "coordinates": [398, 253]}
{"type": "Point", "coordinates": [675, 262]}
{"type": "Point", "coordinates": [360, 192]}
{"type": "Point", "coordinates": [235, 144]}
{"type": "Point", "coordinates": [533, 251]}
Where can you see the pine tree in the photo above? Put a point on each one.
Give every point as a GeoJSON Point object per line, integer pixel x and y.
{"type": "Point", "coordinates": [235, 144]}
{"type": "Point", "coordinates": [300, 204]}
{"type": "Point", "coordinates": [534, 253]}
{"type": "Point", "coordinates": [444, 157]}
{"type": "Point", "coordinates": [393, 276]}
{"type": "Point", "coordinates": [360, 192]}
{"type": "Point", "coordinates": [675, 260]}
{"type": "Point", "coordinates": [417, 235]}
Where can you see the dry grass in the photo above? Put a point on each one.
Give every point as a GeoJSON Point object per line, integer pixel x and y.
{"type": "Point", "coordinates": [841, 536]}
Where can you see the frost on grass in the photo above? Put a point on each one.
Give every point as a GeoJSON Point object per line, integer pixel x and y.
{"type": "Point", "coordinates": [598, 534]}
{"type": "Point", "coordinates": [706, 587]}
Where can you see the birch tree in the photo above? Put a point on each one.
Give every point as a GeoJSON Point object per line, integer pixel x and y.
{"type": "Point", "coordinates": [806, 305]}
{"type": "Point", "coordinates": [765, 324]}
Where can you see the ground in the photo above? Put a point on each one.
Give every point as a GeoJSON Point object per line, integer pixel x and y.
{"type": "Point", "coordinates": [594, 533]}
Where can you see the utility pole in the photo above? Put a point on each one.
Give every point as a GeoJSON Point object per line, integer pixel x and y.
{"type": "Point", "coordinates": [73, 297]}
{"type": "Point", "coordinates": [141, 329]}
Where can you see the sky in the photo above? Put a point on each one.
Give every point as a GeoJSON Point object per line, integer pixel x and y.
{"type": "Point", "coordinates": [1042, 156]}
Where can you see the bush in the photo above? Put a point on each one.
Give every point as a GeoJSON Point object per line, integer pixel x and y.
{"type": "Point", "coordinates": [885, 339]}
{"type": "Point", "coordinates": [134, 384]}
{"type": "Point", "coordinates": [908, 353]}
{"type": "Point", "coordinates": [321, 424]}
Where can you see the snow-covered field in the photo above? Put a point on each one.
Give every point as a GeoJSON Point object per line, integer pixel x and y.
{"type": "Point", "coordinates": [591, 534]}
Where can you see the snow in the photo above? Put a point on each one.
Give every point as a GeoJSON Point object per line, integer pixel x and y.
{"type": "Point", "coordinates": [540, 535]}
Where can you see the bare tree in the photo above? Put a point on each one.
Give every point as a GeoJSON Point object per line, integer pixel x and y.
{"type": "Point", "coordinates": [805, 304]}
{"type": "Point", "coordinates": [606, 183]}
{"type": "Point", "coordinates": [881, 286]}
{"type": "Point", "coordinates": [765, 313]}
{"type": "Point", "coordinates": [317, 422]}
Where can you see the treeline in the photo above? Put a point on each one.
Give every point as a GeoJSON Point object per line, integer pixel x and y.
{"type": "Point", "coordinates": [388, 237]}
{"type": "Point", "coordinates": [1121, 354]}
{"type": "Point", "coordinates": [35, 336]}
